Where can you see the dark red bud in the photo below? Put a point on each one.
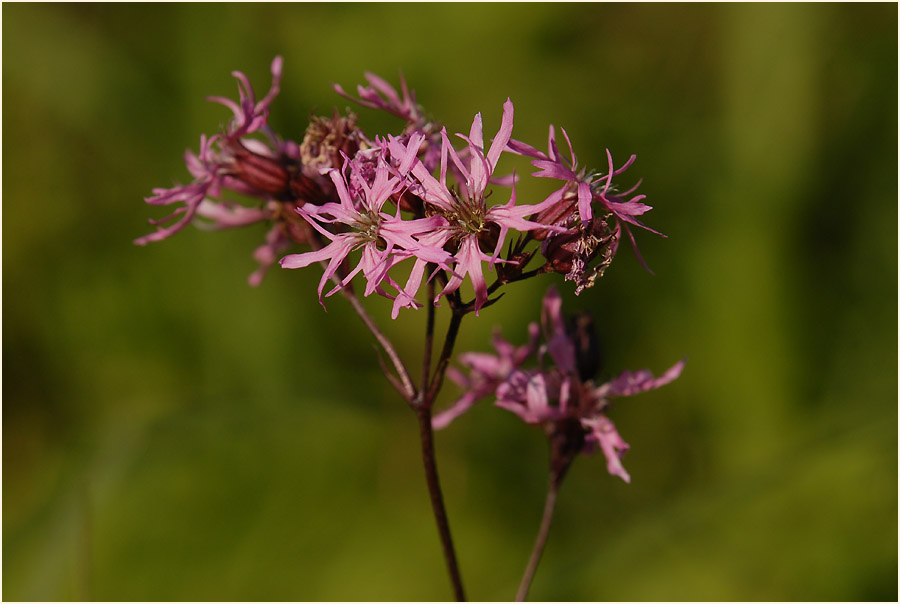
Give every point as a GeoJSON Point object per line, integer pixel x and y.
{"type": "Point", "coordinates": [304, 189]}
{"type": "Point", "coordinates": [582, 333]}
{"type": "Point", "coordinates": [559, 213]}
{"type": "Point", "coordinates": [265, 174]}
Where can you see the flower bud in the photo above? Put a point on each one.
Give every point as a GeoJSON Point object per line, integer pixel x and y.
{"type": "Point", "coordinates": [259, 172]}
{"type": "Point", "coordinates": [304, 189]}
{"type": "Point", "coordinates": [561, 213]}
{"type": "Point", "coordinates": [582, 333]}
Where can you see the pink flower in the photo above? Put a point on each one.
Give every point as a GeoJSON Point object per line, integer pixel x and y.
{"type": "Point", "coordinates": [555, 394]}
{"type": "Point", "coordinates": [470, 224]}
{"type": "Point", "coordinates": [281, 174]}
{"type": "Point", "coordinates": [486, 373]}
{"type": "Point", "coordinates": [381, 95]}
{"type": "Point", "coordinates": [225, 160]}
{"type": "Point", "coordinates": [383, 239]}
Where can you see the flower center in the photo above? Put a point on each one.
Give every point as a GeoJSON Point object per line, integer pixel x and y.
{"type": "Point", "coordinates": [367, 226]}
{"type": "Point", "coordinates": [468, 217]}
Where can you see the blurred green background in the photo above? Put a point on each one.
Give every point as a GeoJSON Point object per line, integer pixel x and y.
{"type": "Point", "coordinates": [171, 433]}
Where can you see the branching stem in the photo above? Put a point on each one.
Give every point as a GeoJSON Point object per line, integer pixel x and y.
{"type": "Point", "coordinates": [409, 390]}
{"type": "Point", "coordinates": [427, 394]}
{"type": "Point", "coordinates": [437, 379]}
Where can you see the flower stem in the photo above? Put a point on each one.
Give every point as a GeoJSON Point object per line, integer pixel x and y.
{"type": "Point", "coordinates": [408, 390]}
{"type": "Point", "coordinates": [429, 343]}
{"type": "Point", "coordinates": [437, 379]}
{"type": "Point", "coordinates": [421, 402]}
{"type": "Point", "coordinates": [423, 408]}
{"type": "Point", "coordinates": [541, 540]}
{"type": "Point", "coordinates": [423, 413]}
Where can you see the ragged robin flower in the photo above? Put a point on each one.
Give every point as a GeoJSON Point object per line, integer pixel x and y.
{"type": "Point", "coordinates": [473, 229]}
{"type": "Point", "coordinates": [559, 392]}
{"type": "Point", "coordinates": [267, 169]}
{"type": "Point", "coordinates": [381, 95]}
{"type": "Point", "coordinates": [383, 239]}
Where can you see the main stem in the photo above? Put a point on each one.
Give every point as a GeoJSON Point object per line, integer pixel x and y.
{"type": "Point", "coordinates": [423, 414]}
{"type": "Point", "coordinates": [422, 407]}
{"type": "Point", "coordinates": [541, 540]}
{"type": "Point", "coordinates": [421, 402]}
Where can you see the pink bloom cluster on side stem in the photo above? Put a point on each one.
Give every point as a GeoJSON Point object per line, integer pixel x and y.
{"type": "Point", "coordinates": [559, 392]}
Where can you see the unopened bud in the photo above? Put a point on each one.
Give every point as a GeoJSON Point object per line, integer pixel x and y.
{"type": "Point", "coordinates": [306, 190]}
{"type": "Point", "coordinates": [259, 172]}
{"type": "Point", "coordinates": [582, 333]}
{"type": "Point", "coordinates": [560, 213]}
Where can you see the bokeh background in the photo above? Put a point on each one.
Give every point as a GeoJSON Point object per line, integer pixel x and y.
{"type": "Point", "coordinates": [171, 433]}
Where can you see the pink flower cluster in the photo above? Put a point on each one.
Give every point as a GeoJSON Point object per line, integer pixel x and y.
{"type": "Point", "coordinates": [558, 392]}
{"type": "Point", "coordinates": [367, 205]}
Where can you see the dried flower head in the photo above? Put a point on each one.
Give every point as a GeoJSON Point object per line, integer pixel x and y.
{"type": "Point", "coordinates": [582, 190]}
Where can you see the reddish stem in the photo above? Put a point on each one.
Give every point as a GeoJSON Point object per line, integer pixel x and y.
{"type": "Point", "coordinates": [540, 542]}
{"type": "Point", "coordinates": [423, 413]}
